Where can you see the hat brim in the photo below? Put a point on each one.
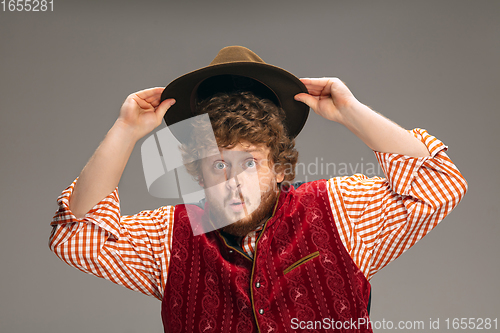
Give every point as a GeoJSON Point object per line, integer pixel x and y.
{"type": "Point", "coordinates": [282, 83]}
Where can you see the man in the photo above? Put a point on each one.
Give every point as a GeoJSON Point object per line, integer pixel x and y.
{"type": "Point", "coordinates": [283, 257]}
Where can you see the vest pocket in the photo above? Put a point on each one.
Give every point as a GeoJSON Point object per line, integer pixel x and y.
{"type": "Point", "coordinates": [301, 261]}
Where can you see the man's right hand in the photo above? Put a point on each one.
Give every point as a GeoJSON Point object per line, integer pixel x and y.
{"type": "Point", "coordinates": [142, 112]}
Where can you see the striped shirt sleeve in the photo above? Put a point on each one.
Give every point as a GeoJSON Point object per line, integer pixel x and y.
{"type": "Point", "coordinates": [380, 218]}
{"type": "Point", "coordinates": [132, 251]}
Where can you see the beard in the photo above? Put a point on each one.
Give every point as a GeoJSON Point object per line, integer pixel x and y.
{"type": "Point", "coordinates": [251, 221]}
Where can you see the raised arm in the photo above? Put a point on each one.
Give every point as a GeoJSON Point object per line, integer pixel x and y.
{"type": "Point", "coordinates": [378, 219]}
{"type": "Point", "coordinates": [331, 99]}
{"type": "Point", "coordinates": [140, 114]}
{"type": "Point", "coordinates": [89, 232]}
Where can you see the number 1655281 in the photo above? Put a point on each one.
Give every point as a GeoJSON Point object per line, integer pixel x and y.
{"type": "Point", "coordinates": [27, 5]}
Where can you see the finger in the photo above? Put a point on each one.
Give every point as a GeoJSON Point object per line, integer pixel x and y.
{"type": "Point", "coordinates": [142, 104]}
{"type": "Point", "coordinates": [339, 88]}
{"type": "Point", "coordinates": [307, 99]}
{"type": "Point", "coordinates": [147, 99]}
{"type": "Point", "coordinates": [318, 82]}
{"type": "Point", "coordinates": [317, 86]}
{"type": "Point", "coordinates": [150, 92]}
{"type": "Point", "coordinates": [163, 108]}
{"type": "Point", "coordinates": [151, 95]}
{"type": "Point", "coordinates": [155, 98]}
{"type": "Point", "coordinates": [317, 92]}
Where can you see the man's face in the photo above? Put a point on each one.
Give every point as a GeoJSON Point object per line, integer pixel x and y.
{"type": "Point", "coordinates": [240, 186]}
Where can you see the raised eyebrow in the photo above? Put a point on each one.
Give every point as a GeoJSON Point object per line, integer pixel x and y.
{"type": "Point", "coordinates": [260, 154]}
{"type": "Point", "coordinates": [254, 150]}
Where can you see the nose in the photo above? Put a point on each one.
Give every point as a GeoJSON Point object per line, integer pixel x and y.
{"type": "Point", "coordinates": [233, 181]}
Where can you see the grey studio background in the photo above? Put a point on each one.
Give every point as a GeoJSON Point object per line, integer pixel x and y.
{"type": "Point", "coordinates": [64, 75]}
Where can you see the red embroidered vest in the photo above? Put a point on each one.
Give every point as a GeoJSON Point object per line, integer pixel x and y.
{"type": "Point", "coordinates": [301, 278]}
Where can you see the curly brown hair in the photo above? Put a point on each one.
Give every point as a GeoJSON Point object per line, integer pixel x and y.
{"type": "Point", "coordinates": [243, 117]}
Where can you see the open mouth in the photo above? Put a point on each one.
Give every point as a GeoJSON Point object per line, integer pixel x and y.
{"type": "Point", "coordinates": [236, 205]}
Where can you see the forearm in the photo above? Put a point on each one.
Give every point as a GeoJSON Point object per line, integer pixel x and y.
{"type": "Point", "coordinates": [380, 133]}
{"type": "Point", "coordinates": [400, 209]}
{"type": "Point", "coordinates": [331, 99]}
{"type": "Point", "coordinates": [133, 251]}
{"type": "Point", "coordinates": [102, 173]}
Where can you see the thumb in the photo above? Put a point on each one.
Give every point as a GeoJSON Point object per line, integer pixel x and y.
{"type": "Point", "coordinates": [163, 108]}
{"type": "Point", "coordinates": [307, 99]}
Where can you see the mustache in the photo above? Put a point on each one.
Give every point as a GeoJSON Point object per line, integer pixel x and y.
{"type": "Point", "coordinates": [236, 197]}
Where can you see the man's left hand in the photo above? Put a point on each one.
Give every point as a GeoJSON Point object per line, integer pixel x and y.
{"type": "Point", "coordinates": [328, 97]}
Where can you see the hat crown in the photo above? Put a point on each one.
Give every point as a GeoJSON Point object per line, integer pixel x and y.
{"type": "Point", "coordinates": [232, 54]}
{"type": "Point", "coordinates": [233, 69]}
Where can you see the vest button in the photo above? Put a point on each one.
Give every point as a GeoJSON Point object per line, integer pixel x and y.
{"type": "Point", "coordinates": [261, 311]}
{"type": "Point", "coordinates": [231, 251]}
{"type": "Point", "coordinates": [257, 284]}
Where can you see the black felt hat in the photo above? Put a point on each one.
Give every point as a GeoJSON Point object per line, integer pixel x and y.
{"type": "Point", "coordinates": [237, 68]}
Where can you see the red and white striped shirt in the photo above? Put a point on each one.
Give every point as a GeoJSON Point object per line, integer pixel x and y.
{"type": "Point", "coordinates": [377, 219]}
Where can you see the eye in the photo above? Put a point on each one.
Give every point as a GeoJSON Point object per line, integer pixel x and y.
{"type": "Point", "coordinates": [220, 165]}
{"type": "Point", "coordinates": [250, 164]}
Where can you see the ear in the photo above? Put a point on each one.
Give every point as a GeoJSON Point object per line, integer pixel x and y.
{"type": "Point", "coordinates": [280, 177]}
{"type": "Point", "coordinates": [201, 182]}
